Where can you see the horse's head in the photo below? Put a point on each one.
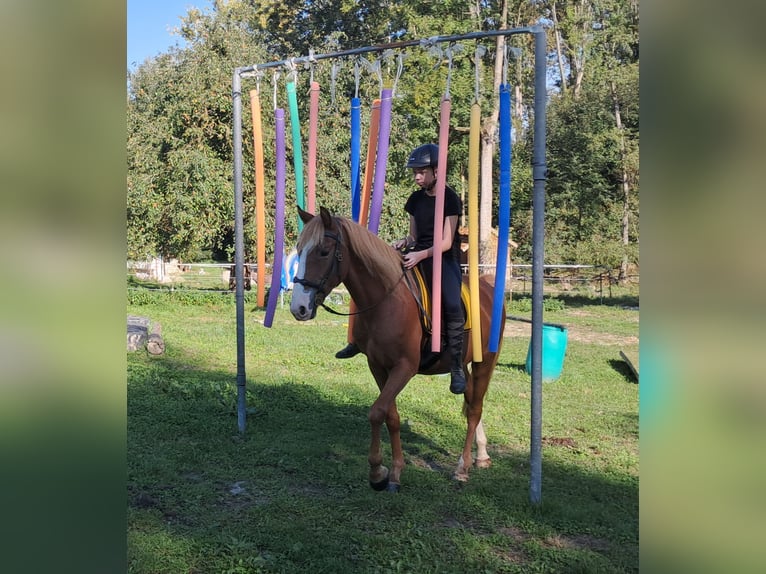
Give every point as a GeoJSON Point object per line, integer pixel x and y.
{"type": "Point", "coordinates": [320, 254]}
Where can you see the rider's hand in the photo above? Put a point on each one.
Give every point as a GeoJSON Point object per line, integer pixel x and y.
{"type": "Point", "coordinates": [414, 257]}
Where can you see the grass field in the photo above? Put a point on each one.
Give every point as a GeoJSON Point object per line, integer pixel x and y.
{"type": "Point", "coordinates": [291, 494]}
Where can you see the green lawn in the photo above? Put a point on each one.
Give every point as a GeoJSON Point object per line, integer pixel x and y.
{"type": "Point", "coordinates": [291, 494]}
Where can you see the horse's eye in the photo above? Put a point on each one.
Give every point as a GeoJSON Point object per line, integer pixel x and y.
{"type": "Point", "coordinates": [324, 252]}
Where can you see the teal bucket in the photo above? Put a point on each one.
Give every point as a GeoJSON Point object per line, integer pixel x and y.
{"type": "Point", "coordinates": [554, 348]}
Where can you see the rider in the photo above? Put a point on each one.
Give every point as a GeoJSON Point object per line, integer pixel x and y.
{"type": "Point", "coordinates": [420, 244]}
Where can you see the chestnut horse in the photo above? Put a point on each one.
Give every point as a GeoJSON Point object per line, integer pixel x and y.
{"type": "Point", "coordinates": [387, 328]}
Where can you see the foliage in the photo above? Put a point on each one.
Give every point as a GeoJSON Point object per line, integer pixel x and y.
{"type": "Point", "coordinates": [179, 112]}
{"type": "Point", "coordinates": [291, 494]}
{"type": "Point", "coordinates": [523, 304]}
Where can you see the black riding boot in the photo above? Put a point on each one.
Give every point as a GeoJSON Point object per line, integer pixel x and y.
{"type": "Point", "coordinates": [455, 349]}
{"type": "Point", "coordinates": [350, 350]}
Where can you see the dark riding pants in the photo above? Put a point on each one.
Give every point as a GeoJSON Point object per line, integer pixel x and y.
{"type": "Point", "coordinates": [452, 309]}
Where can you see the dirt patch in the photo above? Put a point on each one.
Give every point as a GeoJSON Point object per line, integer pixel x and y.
{"type": "Point", "coordinates": [559, 441]}
{"type": "Point", "coordinates": [581, 542]}
{"type": "Point", "coordinates": [574, 333]}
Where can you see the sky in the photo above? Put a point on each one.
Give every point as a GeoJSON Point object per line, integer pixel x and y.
{"type": "Point", "coordinates": [149, 24]}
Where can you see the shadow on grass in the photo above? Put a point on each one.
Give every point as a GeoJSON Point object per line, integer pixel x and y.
{"type": "Point", "coordinates": [511, 367]}
{"type": "Point", "coordinates": [303, 461]}
{"type": "Point", "coordinates": [623, 369]}
{"type": "Point", "coordinates": [574, 300]}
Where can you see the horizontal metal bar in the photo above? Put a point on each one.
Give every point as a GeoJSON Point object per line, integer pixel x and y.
{"type": "Point", "coordinates": [391, 46]}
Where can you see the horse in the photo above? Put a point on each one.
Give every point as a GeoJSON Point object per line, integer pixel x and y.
{"type": "Point", "coordinates": [387, 328]}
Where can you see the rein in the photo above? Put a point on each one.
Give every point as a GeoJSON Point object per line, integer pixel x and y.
{"type": "Point", "coordinates": [357, 312]}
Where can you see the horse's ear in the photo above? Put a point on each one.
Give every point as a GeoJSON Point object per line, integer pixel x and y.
{"type": "Point", "coordinates": [326, 217]}
{"type": "Point", "coordinates": [304, 215]}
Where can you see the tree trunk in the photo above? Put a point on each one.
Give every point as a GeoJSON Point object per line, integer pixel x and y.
{"type": "Point", "coordinates": [624, 182]}
{"type": "Point", "coordinates": [559, 53]}
{"type": "Point", "coordinates": [488, 150]}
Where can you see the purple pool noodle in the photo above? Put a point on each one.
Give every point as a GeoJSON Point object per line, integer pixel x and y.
{"type": "Point", "coordinates": [376, 205]}
{"type": "Point", "coordinates": [279, 223]}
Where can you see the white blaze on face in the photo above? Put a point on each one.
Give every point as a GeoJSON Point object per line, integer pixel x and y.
{"type": "Point", "coordinates": [300, 305]}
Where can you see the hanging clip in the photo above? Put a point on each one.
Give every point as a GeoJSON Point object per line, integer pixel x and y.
{"type": "Point", "coordinates": [451, 50]}
{"type": "Point", "coordinates": [387, 56]}
{"type": "Point", "coordinates": [478, 54]}
{"type": "Point", "coordinates": [399, 68]}
{"type": "Point", "coordinates": [310, 65]}
{"type": "Point", "coordinates": [333, 76]}
{"type": "Point", "coordinates": [275, 79]}
{"type": "Point", "coordinates": [258, 78]}
{"type": "Point", "coordinates": [373, 68]}
{"type": "Point", "coordinates": [356, 78]}
{"type": "Point", "coordinates": [434, 49]}
{"type": "Point", "coordinates": [292, 69]}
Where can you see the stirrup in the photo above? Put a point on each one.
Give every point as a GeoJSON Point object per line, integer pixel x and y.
{"type": "Point", "coordinates": [350, 350]}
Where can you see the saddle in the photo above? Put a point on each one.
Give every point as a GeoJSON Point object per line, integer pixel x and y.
{"type": "Point", "coordinates": [422, 294]}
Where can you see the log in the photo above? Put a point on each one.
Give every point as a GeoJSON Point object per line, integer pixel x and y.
{"type": "Point", "coordinates": [632, 362]}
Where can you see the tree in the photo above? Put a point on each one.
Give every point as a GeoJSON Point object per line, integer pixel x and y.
{"type": "Point", "coordinates": [180, 115]}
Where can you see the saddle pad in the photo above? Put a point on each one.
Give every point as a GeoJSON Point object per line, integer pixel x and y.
{"type": "Point", "coordinates": [425, 299]}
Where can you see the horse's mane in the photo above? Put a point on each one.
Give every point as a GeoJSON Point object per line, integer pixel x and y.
{"type": "Point", "coordinates": [378, 257]}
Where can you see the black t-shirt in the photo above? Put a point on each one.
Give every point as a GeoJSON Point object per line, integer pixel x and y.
{"type": "Point", "coordinates": [422, 206]}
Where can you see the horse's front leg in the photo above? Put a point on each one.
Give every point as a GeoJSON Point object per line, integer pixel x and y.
{"type": "Point", "coordinates": [378, 472]}
{"type": "Point", "coordinates": [384, 409]}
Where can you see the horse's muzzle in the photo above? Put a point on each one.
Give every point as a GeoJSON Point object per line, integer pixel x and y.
{"type": "Point", "coordinates": [303, 304]}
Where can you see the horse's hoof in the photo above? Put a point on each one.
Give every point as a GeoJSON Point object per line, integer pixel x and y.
{"type": "Point", "coordinates": [393, 487]}
{"type": "Point", "coordinates": [460, 476]}
{"type": "Point", "coordinates": [382, 485]}
{"type": "Point", "coordinates": [483, 462]}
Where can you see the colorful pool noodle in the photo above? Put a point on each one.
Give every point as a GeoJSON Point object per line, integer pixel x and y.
{"type": "Point", "coordinates": [292, 100]}
{"type": "Point", "coordinates": [369, 170]}
{"type": "Point", "coordinates": [279, 219]}
{"type": "Point", "coordinates": [473, 229]}
{"type": "Point", "coordinates": [504, 216]}
{"type": "Point", "coordinates": [312, 165]}
{"type": "Point", "coordinates": [376, 204]}
{"type": "Point", "coordinates": [441, 182]}
{"type": "Point", "coordinates": [372, 146]}
{"type": "Point", "coordinates": [356, 121]}
{"type": "Point", "coordinates": [260, 201]}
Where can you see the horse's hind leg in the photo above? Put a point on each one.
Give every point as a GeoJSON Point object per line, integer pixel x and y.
{"type": "Point", "coordinates": [478, 382]}
{"type": "Point", "coordinates": [378, 472]}
{"type": "Point", "coordinates": [482, 456]}
{"type": "Point", "coordinates": [393, 424]}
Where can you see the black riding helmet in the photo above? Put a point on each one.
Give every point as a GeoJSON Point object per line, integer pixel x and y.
{"type": "Point", "coordinates": [426, 155]}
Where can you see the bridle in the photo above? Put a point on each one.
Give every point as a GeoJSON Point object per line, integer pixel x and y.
{"type": "Point", "coordinates": [333, 268]}
{"type": "Point", "coordinates": [337, 258]}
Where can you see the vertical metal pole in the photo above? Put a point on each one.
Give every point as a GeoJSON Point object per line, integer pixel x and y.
{"type": "Point", "coordinates": [239, 247]}
{"type": "Point", "coordinates": [538, 235]}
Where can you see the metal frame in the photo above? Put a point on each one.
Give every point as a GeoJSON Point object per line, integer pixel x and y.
{"type": "Point", "coordinates": [538, 206]}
